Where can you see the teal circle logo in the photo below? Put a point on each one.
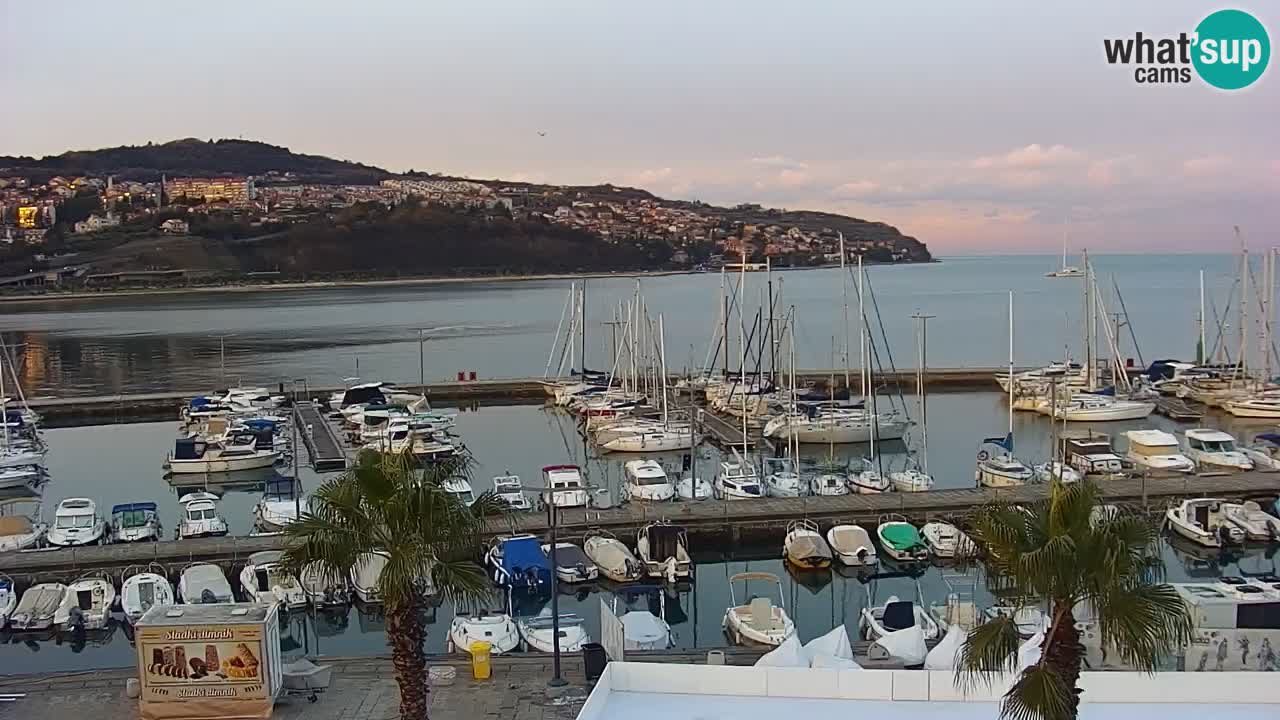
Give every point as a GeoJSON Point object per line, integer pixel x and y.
{"type": "Point", "coordinates": [1231, 49]}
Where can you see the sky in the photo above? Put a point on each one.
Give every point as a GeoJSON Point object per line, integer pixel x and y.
{"type": "Point", "coordinates": [985, 126]}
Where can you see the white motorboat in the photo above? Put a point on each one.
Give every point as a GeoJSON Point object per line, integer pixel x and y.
{"type": "Point", "coordinates": [1002, 470]}
{"type": "Point", "coordinates": [135, 522]}
{"type": "Point", "coordinates": [759, 622]}
{"type": "Point", "coordinates": [804, 547]}
{"type": "Point", "coordinates": [1102, 408]}
{"type": "Point", "coordinates": [1216, 451]}
{"type": "Point", "coordinates": [364, 576]}
{"type": "Point", "coordinates": [563, 486]}
{"type": "Point", "coordinates": [37, 606]}
{"type": "Point", "coordinates": [538, 632]}
{"type": "Point", "coordinates": [21, 528]}
{"type": "Point", "coordinates": [614, 559]}
{"type": "Point", "coordinates": [8, 599]}
{"type": "Point", "coordinates": [14, 457]}
{"type": "Point", "coordinates": [248, 399]}
{"type": "Point", "coordinates": [895, 615]}
{"type": "Point", "coordinates": [496, 629]}
{"type": "Point", "coordinates": [93, 597]}
{"type": "Point", "coordinates": [1202, 521]}
{"type": "Point", "coordinates": [1092, 455]}
{"type": "Point", "coordinates": [641, 629]}
{"type": "Point", "coordinates": [1265, 452]}
{"type": "Point", "coordinates": [325, 588]}
{"type": "Point", "coordinates": [510, 490]}
{"type": "Point", "coordinates": [1253, 520]}
{"type": "Point", "coordinates": [200, 516]}
{"type": "Point", "coordinates": [901, 540]}
{"type": "Point", "coordinates": [868, 480]}
{"type": "Point", "coordinates": [241, 451]}
{"type": "Point", "coordinates": [1156, 452]}
{"type": "Point", "coordinates": [692, 488]}
{"type": "Point", "coordinates": [945, 540]}
{"type": "Point", "coordinates": [264, 580]}
{"type": "Point", "coordinates": [781, 478]}
{"type": "Point", "coordinates": [830, 481]}
{"type": "Point", "coordinates": [572, 564]}
{"type": "Point", "coordinates": [1056, 470]}
{"type": "Point", "coordinates": [1258, 406]}
{"type": "Point", "coordinates": [664, 550]}
{"type": "Point", "coordinates": [646, 480]}
{"type": "Point", "coordinates": [738, 480]}
{"type": "Point", "coordinates": [204, 584]}
{"type": "Point", "coordinates": [142, 590]}
{"type": "Point", "coordinates": [852, 546]}
{"type": "Point", "coordinates": [76, 522]}
{"type": "Point", "coordinates": [17, 476]}
{"type": "Point", "coordinates": [279, 506]}
{"type": "Point", "coordinates": [460, 489]}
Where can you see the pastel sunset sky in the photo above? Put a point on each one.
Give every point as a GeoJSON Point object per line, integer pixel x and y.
{"type": "Point", "coordinates": [977, 126]}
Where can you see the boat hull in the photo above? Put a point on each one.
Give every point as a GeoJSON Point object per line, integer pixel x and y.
{"type": "Point", "coordinates": [219, 465]}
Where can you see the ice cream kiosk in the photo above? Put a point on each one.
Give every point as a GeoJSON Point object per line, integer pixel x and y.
{"type": "Point", "coordinates": [208, 662]}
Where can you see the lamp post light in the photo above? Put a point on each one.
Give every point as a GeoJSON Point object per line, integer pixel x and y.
{"type": "Point", "coordinates": [553, 517]}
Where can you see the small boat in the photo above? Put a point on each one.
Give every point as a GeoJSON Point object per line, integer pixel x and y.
{"type": "Point", "coordinates": [868, 480]}
{"type": "Point", "coordinates": [325, 589]}
{"type": "Point", "coordinates": [278, 507]}
{"type": "Point", "coordinates": [852, 546]}
{"type": "Point", "coordinates": [76, 522]}
{"type": "Point", "coordinates": [1258, 407]}
{"type": "Point", "coordinates": [660, 439]}
{"type": "Point", "coordinates": [517, 562]}
{"type": "Point", "coordinates": [945, 540]}
{"type": "Point", "coordinates": [1102, 408]}
{"type": "Point", "coordinates": [36, 608]}
{"type": "Point", "coordinates": [830, 481]}
{"type": "Point", "coordinates": [264, 580]}
{"type": "Point", "coordinates": [646, 480]}
{"type": "Point", "coordinates": [200, 516]}
{"type": "Point", "coordinates": [563, 486]}
{"type": "Point", "coordinates": [912, 478]}
{"type": "Point", "coordinates": [1249, 517]}
{"type": "Point", "coordinates": [89, 601]}
{"type": "Point", "coordinates": [691, 488]}
{"type": "Point", "coordinates": [804, 547]}
{"type": "Point", "coordinates": [900, 539]}
{"type": "Point", "coordinates": [1056, 470]}
{"type": "Point", "coordinates": [1156, 452]}
{"type": "Point", "coordinates": [641, 628]}
{"type": "Point", "coordinates": [781, 478]}
{"type": "Point", "coordinates": [142, 590]}
{"type": "Point", "coordinates": [1265, 452]}
{"type": "Point", "coordinates": [22, 475]}
{"type": "Point", "coordinates": [460, 489]}
{"type": "Point", "coordinates": [1029, 620]}
{"type": "Point", "coordinates": [1002, 470]}
{"type": "Point", "coordinates": [538, 632]}
{"type": "Point", "coordinates": [572, 563]}
{"type": "Point", "coordinates": [496, 629]}
{"type": "Point", "coordinates": [1215, 450]}
{"type": "Point", "coordinates": [135, 522]}
{"type": "Point", "coordinates": [738, 480]}
{"type": "Point", "coordinates": [894, 615]}
{"type": "Point", "coordinates": [204, 584]}
{"type": "Point", "coordinates": [21, 530]}
{"type": "Point", "coordinates": [1066, 271]}
{"type": "Point", "coordinates": [510, 490]}
{"type": "Point", "coordinates": [759, 622]}
{"type": "Point", "coordinates": [664, 550]}
{"type": "Point", "coordinates": [612, 557]}
{"type": "Point", "coordinates": [241, 451]}
{"type": "Point", "coordinates": [8, 599]}
{"type": "Point", "coordinates": [364, 576]}
{"type": "Point", "coordinates": [1202, 521]}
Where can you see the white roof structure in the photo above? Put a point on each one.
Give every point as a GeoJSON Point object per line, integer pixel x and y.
{"type": "Point", "coordinates": [643, 691]}
{"type": "Point", "coordinates": [1151, 437]}
{"type": "Point", "coordinates": [1209, 435]}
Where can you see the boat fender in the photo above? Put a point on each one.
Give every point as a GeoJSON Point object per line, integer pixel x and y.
{"type": "Point", "coordinates": [984, 456]}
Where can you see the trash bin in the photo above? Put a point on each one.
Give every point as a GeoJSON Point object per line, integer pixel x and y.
{"type": "Point", "coordinates": [594, 659]}
{"type": "Point", "coordinates": [480, 665]}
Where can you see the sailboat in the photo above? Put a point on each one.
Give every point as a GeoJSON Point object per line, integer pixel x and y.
{"type": "Point", "coordinates": [915, 477]}
{"type": "Point", "coordinates": [1002, 469]}
{"type": "Point", "coordinates": [1067, 271]}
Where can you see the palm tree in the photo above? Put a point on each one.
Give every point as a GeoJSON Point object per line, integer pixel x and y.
{"type": "Point", "coordinates": [383, 504]}
{"type": "Point", "coordinates": [1059, 554]}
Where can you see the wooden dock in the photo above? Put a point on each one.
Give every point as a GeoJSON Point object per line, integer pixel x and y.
{"type": "Point", "coordinates": [324, 448]}
{"type": "Point", "coordinates": [1177, 409]}
{"type": "Point", "coordinates": [723, 431]}
{"type": "Point", "coordinates": [708, 522]}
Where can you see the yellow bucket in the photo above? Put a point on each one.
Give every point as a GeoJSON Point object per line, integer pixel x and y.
{"type": "Point", "coordinates": [480, 665]}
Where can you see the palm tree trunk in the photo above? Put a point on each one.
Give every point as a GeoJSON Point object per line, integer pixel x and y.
{"type": "Point", "coordinates": [1064, 652]}
{"type": "Point", "coordinates": [406, 634]}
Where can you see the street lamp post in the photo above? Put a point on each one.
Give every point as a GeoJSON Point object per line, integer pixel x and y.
{"type": "Point", "coordinates": [553, 516]}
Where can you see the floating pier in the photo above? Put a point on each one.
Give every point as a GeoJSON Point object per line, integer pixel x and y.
{"type": "Point", "coordinates": [723, 431]}
{"type": "Point", "coordinates": [323, 445]}
{"type": "Point", "coordinates": [707, 522]}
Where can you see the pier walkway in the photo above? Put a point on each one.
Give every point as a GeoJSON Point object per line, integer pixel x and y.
{"type": "Point", "coordinates": [323, 445]}
{"type": "Point", "coordinates": [708, 521]}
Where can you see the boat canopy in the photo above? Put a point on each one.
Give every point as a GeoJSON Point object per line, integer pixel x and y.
{"type": "Point", "coordinates": [260, 424]}
{"type": "Point", "coordinates": [823, 395]}
{"type": "Point", "coordinates": [368, 394]}
{"type": "Point", "coordinates": [188, 448]}
{"type": "Point", "coordinates": [1273, 438]}
{"type": "Point", "coordinates": [665, 541]}
{"type": "Point", "coordinates": [521, 555]}
{"type": "Point", "coordinates": [901, 536]}
{"type": "Point", "coordinates": [126, 507]}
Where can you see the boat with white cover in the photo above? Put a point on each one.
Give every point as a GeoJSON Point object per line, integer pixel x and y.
{"type": "Point", "coordinates": [851, 544]}
{"type": "Point", "coordinates": [1215, 450]}
{"type": "Point", "coordinates": [563, 486]}
{"type": "Point", "coordinates": [614, 559]}
{"type": "Point", "coordinates": [759, 622]}
{"type": "Point", "coordinates": [93, 596]}
{"type": "Point", "coordinates": [204, 584]}
{"type": "Point", "coordinates": [945, 540]}
{"type": "Point", "coordinates": [76, 522]}
{"type": "Point", "coordinates": [37, 606]}
{"type": "Point", "coordinates": [664, 550]}
{"type": "Point", "coordinates": [200, 516]}
{"type": "Point", "coordinates": [144, 589]}
{"type": "Point", "coordinates": [496, 629]}
{"type": "Point", "coordinates": [646, 480]}
{"type": "Point", "coordinates": [1250, 517]}
{"type": "Point", "coordinates": [804, 547]}
{"type": "Point", "coordinates": [1202, 521]}
{"type": "Point", "coordinates": [641, 628]}
{"type": "Point", "coordinates": [264, 580]}
{"type": "Point", "coordinates": [1156, 452]}
{"type": "Point", "coordinates": [510, 490]}
{"type": "Point", "coordinates": [537, 632]}
{"type": "Point", "coordinates": [571, 563]}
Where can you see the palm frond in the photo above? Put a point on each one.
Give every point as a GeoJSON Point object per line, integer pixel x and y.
{"type": "Point", "coordinates": [1040, 693]}
{"type": "Point", "coordinates": [991, 649]}
{"type": "Point", "coordinates": [1142, 622]}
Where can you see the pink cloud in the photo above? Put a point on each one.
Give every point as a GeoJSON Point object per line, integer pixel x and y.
{"type": "Point", "coordinates": [855, 189]}
{"type": "Point", "coordinates": [1206, 166]}
{"type": "Point", "coordinates": [1031, 157]}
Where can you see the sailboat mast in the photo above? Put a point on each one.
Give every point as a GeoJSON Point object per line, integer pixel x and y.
{"type": "Point", "coordinates": [1244, 310]}
{"type": "Point", "coordinates": [662, 359]}
{"type": "Point", "coordinates": [1200, 352]}
{"type": "Point", "coordinates": [584, 328]}
{"type": "Point", "coordinates": [1089, 325]}
{"type": "Point", "coordinates": [4, 403]}
{"type": "Point", "coordinates": [844, 292]}
{"type": "Point", "coordinates": [1011, 383]}
{"type": "Point", "coordinates": [1064, 249]}
{"type": "Point", "coordinates": [862, 334]}
{"type": "Point", "coordinates": [922, 390]}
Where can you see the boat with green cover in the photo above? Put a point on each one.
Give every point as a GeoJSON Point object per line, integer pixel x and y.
{"type": "Point", "coordinates": [901, 540]}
